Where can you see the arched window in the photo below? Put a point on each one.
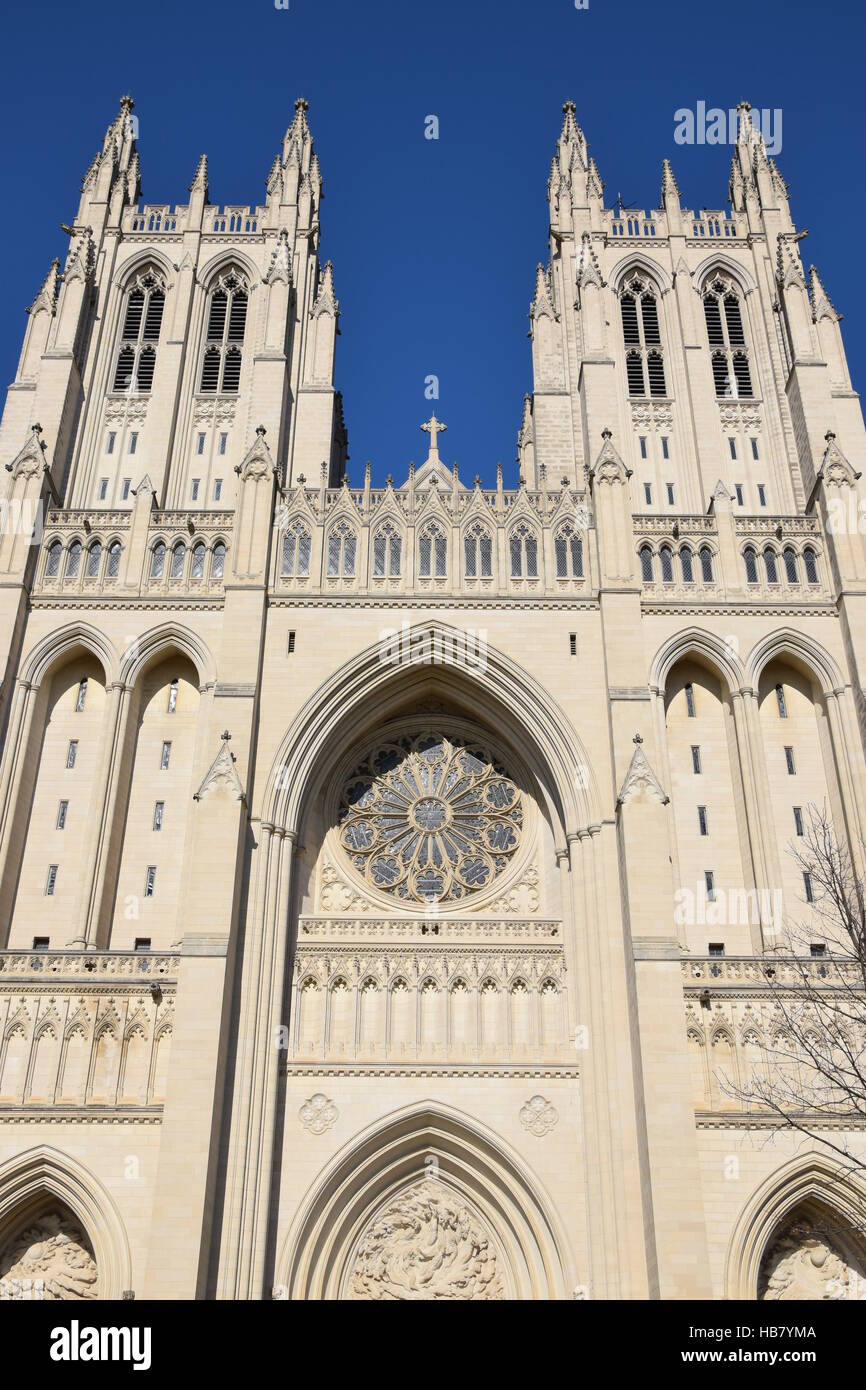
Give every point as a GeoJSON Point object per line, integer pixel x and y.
{"type": "Point", "coordinates": [433, 552]}
{"type": "Point", "coordinates": [641, 335]}
{"type": "Point", "coordinates": [789, 555]}
{"type": "Point", "coordinates": [770, 565]}
{"type": "Point", "coordinates": [52, 560]}
{"type": "Point", "coordinates": [568, 545]}
{"type": "Point", "coordinates": [295, 559]}
{"type": "Point", "coordinates": [218, 563]}
{"type": "Point", "coordinates": [646, 564]}
{"type": "Point", "coordinates": [667, 563]}
{"type": "Point", "coordinates": [686, 565]}
{"type": "Point", "coordinates": [199, 551]}
{"type": "Point", "coordinates": [94, 559]}
{"type": "Point", "coordinates": [342, 544]}
{"type": "Point", "coordinates": [810, 565]}
{"type": "Point", "coordinates": [112, 568]}
{"type": "Point", "coordinates": [478, 552]}
{"type": "Point", "coordinates": [73, 560]}
{"type": "Point", "coordinates": [142, 321]}
{"type": "Point", "coordinates": [387, 551]}
{"type": "Point", "coordinates": [732, 377]}
{"type": "Point", "coordinates": [226, 325]}
{"type": "Point", "coordinates": [178, 557]}
{"type": "Point", "coordinates": [157, 563]}
{"type": "Point", "coordinates": [706, 564]}
{"type": "Point", "coordinates": [523, 546]}
{"type": "Point", "coordinates": [751, 562]}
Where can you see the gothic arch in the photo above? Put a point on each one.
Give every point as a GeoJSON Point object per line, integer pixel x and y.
{"type": "Point", "coordinates": [426, 1143]}
{"type": "Point", "coordinates": [223, 260]}
{"type": "Point", "coordinates": [809, 1178]}
{"type": "Point", "coordinates": [127, 272]}
{"type": "Point", "coordinates": [787, 642]}
{"type": "Point", "coordinates": [50, 653]}
{"type": "Point", "coordinates": [719, 261]}
{"type": "Point", "coordinates": [636, 262]}
{"type": "Point", "coordinates": [695, 642]}
{"type": "Point", "coordinates": [165, 639]}
{"type": "Point", "coordinates": [371, 689]}
{"type": "Point", "coordinates": [42, 1173]}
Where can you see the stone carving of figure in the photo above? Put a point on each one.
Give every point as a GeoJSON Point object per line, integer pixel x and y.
{"type": "Point", "coordinates": [50, 1259]}
{"type": "Point", "coordinates": [425, 1245]}
{"type": "Point", "coordinates": [802, 1264]}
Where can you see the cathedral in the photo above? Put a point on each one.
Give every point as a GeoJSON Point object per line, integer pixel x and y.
{"type": "Point", "coordinates": [389, 874]}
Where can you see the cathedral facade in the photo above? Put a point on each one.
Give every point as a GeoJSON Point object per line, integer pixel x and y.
{"type": "Point", "coordinates": [388, 874]}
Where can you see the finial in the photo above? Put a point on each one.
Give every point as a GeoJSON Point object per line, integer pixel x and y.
{"type": "Point", "coordinates": [302, 104]}
{"type": "Point", "coordinates": [389, 481]}
{"type": "Point", "coordinates": [606, 433]}
{"type": "Point", "coordinates": [829, 436]}
{"type": "Point", "coordinates": [261, 431]}
{"type": "Point", "coordinates": [434, 427]}
{"type": "Point", "coordinates": [126, 103]}
{"type": "Point", "coordinates": [302, 478]}
{"type": "Point", "coordinates": [637, 739]}
{"type": "Point", "coordinates": [477, 479]}
{"type": "Point", "coordinates": [225, 735]}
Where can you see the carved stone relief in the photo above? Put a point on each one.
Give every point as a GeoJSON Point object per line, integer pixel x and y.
{"type": "Point", "coordinates": [426, 1244]}
{"type": "Point", "coordinates": [318, 1114]}
{"type": "Point", "coordinates": [803, 1261]}
{"type": "Point", "coordinates": [539, 1116]}
{"type": "Point", "coordinates": [49, 1259]}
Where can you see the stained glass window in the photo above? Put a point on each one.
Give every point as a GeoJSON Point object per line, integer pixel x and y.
{"type": "Point", "coordinates": [430, 817]}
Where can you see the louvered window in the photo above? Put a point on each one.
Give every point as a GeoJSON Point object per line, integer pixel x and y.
{"type": "Point", "coordinates": [732, 376]}
{"type": "Point", "coordinates": [226, 325]}
{"type": "Point", "coordinates": [142, 322]}
{"type": "Point", "coordinates": [641, 331]}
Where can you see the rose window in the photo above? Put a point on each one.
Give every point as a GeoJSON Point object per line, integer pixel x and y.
{"type": "Point", "coordinates": [430, 818]}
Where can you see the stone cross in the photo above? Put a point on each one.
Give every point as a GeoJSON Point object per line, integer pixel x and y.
{"type": "Point", "coordinates": [433, 427]}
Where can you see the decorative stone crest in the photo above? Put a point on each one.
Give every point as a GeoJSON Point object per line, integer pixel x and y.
{"type": "Point", "coordinates": [221, 773]}
{"type": "Point", "coordinates": [426, 1244]}
{"type": "Point", "coordinates": [539, 1116]}
{"type": "Point", "coordinates": [52, 1254]}
{"type": "Point", "coordinates": [318, 1114]}
{"type": "Point", "coordinates": [640, 780]}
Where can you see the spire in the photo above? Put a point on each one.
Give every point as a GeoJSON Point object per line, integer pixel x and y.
{"type": "Point", "coordinates": [822, 304]}
{"type": "Point", "coordinates": [200, 180]}
{"type": "Point", "coordinates": [47, 296]}
{"type": "Point", "coordinates": [326, 299]}
{"type": "Point", "coordinates": [594, 182]}
{"type": "Point", "coordinates": [298, 141]}
{"type": "Point", "coordinates": [670, 190]}
{"type": "Point", "coordinates": [572, 142]}
{"type": "Point", "coordinates": [588, 272]}
{"type": "Point", "coordinates": [789, 271]}
{"type": "Point", "coordinates": [541, 300]}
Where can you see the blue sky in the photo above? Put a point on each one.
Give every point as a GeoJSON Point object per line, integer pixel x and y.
{"type": "Point", "coordinates": [434, 243]}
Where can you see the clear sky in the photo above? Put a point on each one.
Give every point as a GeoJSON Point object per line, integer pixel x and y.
{"type": "Point", "coordinates": [434, 243]}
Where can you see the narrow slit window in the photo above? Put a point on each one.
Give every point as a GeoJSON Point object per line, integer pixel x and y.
{"type": "Point", "coordinates": [165, 757]}
{"type": "Point", "coordinates": [158, 810]}
{"type": "Point", "coordinates": [72, 752]}
{"type": "Point", "coordinates": [62, 812]}
{"type": "Point", "coordinates": [789, 761]}
{"type": "Point", "coordinates": [690, 700]}
{"type": "Point", "coordinates": [51, 881]}
{"type": "Point", "coordinates": [781, 702]}
{"type": "Point", "coordinates": [696, 759]}
{"type": "Point", "coordinates": [702, 821]}
{"type": "Point", "coordinates": [710, 884]}
{"type": "Point", "coordinates": [82, 696]}
{"type": "Point", "coordinates": [150, 881]}
{"type": "Point", "coordinates": [798, 821]}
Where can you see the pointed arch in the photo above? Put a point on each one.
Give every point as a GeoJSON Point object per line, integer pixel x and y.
{"type": "Point", "coordinates": [637, 261]}
{"type": "Point", "coordinates": [788, 642]}
{"type": "Point", "coordinates": [694, 641]}
{"type": "Point", "coordinates": [471, 1162]}
{"type": "Point", "coordinates": [811, 1177]}
{"type": "Point", "coordinates": [30, 1180]}
{"type": "Point", "coordinates": [58, 646]}
{"type": "Point", "coordinates": [719, 261]}
{"type": "Point", "coordinates": [166, 638]}
{"type": "Point", "coordinates": [370, 687]}
{"type": "Point", "coordinates": [126, 273]}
